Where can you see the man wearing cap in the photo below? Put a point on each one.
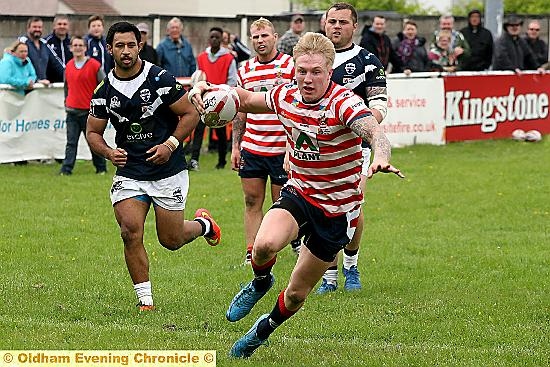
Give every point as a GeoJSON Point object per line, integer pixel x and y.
{"type": "Point", "coordinates": [287, 42]}
{"type": "Point", "coordinates": [480, 40]}
{"type": "Point", "coordinates": [147, 53]}
{"type": "Point", "coordinates": [511, 51]}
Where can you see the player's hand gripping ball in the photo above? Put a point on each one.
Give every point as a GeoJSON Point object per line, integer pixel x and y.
{"type": "Point", "coordinates": [221, 104]}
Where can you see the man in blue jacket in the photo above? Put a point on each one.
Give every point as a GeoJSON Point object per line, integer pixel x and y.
{"type": "Point", "coordinates": [175, 53]}
{"type": "Point", "coordinates": [40, 55]}
{"type": "Point", "coordinates": [59, 44]}
{"type": "Point", "coordinates": [95, 42]}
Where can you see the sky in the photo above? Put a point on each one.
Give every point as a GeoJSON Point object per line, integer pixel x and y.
{"type": "Point", "coordinates": [441, 5]}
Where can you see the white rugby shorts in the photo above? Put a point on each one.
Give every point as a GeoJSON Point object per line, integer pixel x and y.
{"type": "Point", "coordinates": [169, 193]}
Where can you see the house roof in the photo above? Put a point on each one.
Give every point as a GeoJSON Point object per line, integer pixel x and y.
{"type": "Point", "coordinates": [91, 7]}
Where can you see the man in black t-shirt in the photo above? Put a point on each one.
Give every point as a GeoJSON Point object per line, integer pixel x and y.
{"type": "Point", "coordinates": [151, 115]}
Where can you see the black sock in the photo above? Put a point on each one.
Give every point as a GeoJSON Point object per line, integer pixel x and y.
{"type": "Point", "coordinates": [262, 274]}
{"type": "Point", "coordinates": [350, 252]}
{"type": "Point", "coordinates": [278, 315]}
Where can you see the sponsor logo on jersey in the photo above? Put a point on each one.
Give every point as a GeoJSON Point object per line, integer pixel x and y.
{"type": "Point", "coordinates": [369, 68]}
{"type": "Point", "coordinates": [305, 149]}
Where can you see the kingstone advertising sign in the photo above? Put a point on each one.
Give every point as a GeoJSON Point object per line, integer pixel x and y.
{"type": "Point", "coordinates": [492, 106]}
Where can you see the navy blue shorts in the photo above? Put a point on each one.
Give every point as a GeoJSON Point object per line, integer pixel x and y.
{"type": "Point", "coordinates": [324, 236]}
{"type": "Point", "coordinates": [260, 166]}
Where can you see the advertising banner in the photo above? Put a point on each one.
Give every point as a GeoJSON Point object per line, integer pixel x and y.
{"type": "Point", "coordinates": [33, 126]}
{"type": "Point", "coordinates": [415, 112]}
{"type": "Point", "coordinates": [492, 106]}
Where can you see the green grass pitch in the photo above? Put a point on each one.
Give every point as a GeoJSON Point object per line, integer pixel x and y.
{"type": "Point", "coordinates": [455, 265]}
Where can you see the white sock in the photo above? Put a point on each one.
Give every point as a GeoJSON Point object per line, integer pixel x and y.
{"type": "Point", "coordinates": [331, 276]}
{"type": "Point", "coordinates": [350, 261]}
{"type": "Point", "coordinates": [207, 224]}
{"type": "Point", "coordinates": [144, 293]}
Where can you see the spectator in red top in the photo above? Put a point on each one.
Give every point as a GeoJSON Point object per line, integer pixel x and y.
{"type": "Point", "coordinates": [220, 67]}
{"type": "Point", "coordinates": [82, 75]}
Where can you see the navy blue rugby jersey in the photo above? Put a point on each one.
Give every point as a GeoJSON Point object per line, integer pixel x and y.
{"type": "Point", "coordinates": [357, 69]}
{"type": "Point", "coordinates": [138, 109]}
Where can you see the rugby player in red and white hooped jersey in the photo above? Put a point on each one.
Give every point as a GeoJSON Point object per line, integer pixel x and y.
{"type": "Point", "coordinates": [259, 140]}
{"type": "Point", "coordinates": [324, 123]}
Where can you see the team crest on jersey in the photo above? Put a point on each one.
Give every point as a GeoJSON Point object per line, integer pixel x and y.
{"type": "Point", "coordinates": [323, 126]}
{"type": "Point", "coordinates": [115, 103]}
{"type": "Point", "coordinates": [350, 68]}
{"type": "Point", "coordinates": [145, 94]}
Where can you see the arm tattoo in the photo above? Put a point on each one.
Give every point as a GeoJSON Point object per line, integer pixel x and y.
{"type": "Point", "coordinates": [239, 127]}
{"type": "Point", "coordinates": [369, 130]}
{"type": "Point", "coordinates": [377, 100]}
{"type": "Point", "coordinates": [375, 91]}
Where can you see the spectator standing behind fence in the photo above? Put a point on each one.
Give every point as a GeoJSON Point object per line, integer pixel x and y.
{"type": "Point", "coordinates": [175, 52]}
{"type": "Point", "coordinates": [220, 67]}
{"type": "Point", "coordinates": [97, 47]}
{"type": "Point", "coordinates": [537, 45]}
{"type": "Point", "coordinates": [39, 53]}
{"type": "Point", "coordinates": [291, 37]}
{"type": "Point", "coordinates": [411, 49]}
{"type": "Point", "coordinates": [480, 40]}
{"type": "Point", "coordinates": [82, 75]}
{"type": "Point", "coordinates": [238, 49]}
{"type": "Point", "coordinates": [16, 68]}
{"type": "Point", "coordinates": [375, 40]}
{"type": "Point", "coordinates": [148, 52]}
{"type": "Point", "coordinates": [512, 51]}
{"type": "Point", "coordinates": [458, 46]}
{"type": "Point", "coordinates": [59, 44]}
{"type": "Point", "coordinates": [441, 56]}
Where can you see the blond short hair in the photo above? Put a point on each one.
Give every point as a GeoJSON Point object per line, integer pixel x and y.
{"type": "Point", "coordinates": [263, 23]}
{"type": "Point", "coordinates": [315, 44]}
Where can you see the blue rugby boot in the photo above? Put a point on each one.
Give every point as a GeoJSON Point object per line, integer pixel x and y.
{"type": "Point", "coordinates": [243, 302]}
{"type": "Point", "coordinates": [249, 342]}
{"type": "Point", "coordinates": [352, 283]}
{"type": "Point", "coordinates": [326, 287]}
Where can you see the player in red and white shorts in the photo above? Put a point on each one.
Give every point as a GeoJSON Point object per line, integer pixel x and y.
{"type": "Point", "coordinates": [324, 123]}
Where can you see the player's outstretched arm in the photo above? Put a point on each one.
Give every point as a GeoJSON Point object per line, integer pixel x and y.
{"type": "Point", "coordinates": [368, 129]}
{"type": "Point", "coordinates": [252, 102]}
{"type": "Point", "coordinates": [94, 134]}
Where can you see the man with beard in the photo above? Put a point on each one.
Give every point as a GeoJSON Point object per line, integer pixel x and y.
{"type": "Point", "coordinates": [41, 56]}
{"type": "Point", "coordinates": [359, 70]}
{"type": "Point", "coordinates": [151, 115]}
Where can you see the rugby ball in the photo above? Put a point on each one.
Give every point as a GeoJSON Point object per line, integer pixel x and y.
{"type": "Point", "coordinates": [197, 76]}
{"type": "Point", "coordinates": [518, 134]}
{"type": "Point", "coordinates": [221, 104]}
{"type": "Point", "coordinates": [533, 135]}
